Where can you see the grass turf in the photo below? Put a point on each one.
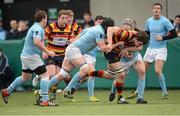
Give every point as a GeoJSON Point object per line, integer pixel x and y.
{"type": "Point", "coordinates": [22, 104]}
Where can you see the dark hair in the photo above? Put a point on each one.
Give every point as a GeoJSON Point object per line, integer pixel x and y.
{"type": "Point", "coordinates": [99, 17]}
{"type": "Point", "coordinates": [1, 49]}
{"type": "Point", "coordinates": [155, 4]}
{"type": "Point", "coordinates": [87, 13]}
{"type": "Point", "coordinates": [107, 22]}
{"type": "Point", "coordinates": [62, 12]}
{"type": "Point", "coordinates": [177, 16]}
{"type": "Point", "coordinates": [142, 36]}
{"type": "Point", "coordinates": [39, 15]}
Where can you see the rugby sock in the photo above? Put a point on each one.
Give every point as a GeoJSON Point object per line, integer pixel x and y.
{"type": "Point", "coordinates": [76, 78]}
{"type": "Point", "coordinates": [76, 85]}
{"type": "Point", "coordinates": [119, 88]}
{"type": "Point", "coordinates": [67, 80]}
{"type": "Point", "coordinates": [98, 73]}
{"type": "Point", "coordinates": [141, 87]}
{"type": "Point", "coordinates": [90, 85]}
{"type": "Point", "coordinates": [101, 74]}
{"type": "Point", "coordinates": [113, 88]}
{"type": "Point", "coordinates": [44, 89]}
{"type": "Point", "coordinates": [54, 88]}
{"type": "Point", "coordinates": [53, 81]}
{"type": "Point", "coordinates": [162, 83]}
{"type": "Point", "coordinates": [17, 82]}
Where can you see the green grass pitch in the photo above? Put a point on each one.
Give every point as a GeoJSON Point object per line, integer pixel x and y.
{"type": "Point", "coordinates": [22, 104]}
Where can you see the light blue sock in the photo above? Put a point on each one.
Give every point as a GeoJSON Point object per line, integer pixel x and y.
{"type": "Point", "coordinates": [141, 87]}
{"type": "Point", "coordinates": [113, 88]}
{"type": "Point", "coordinates": [53, 81]}
{"type": "Point", "coordinates": [73, 82]}
{"type": "Point", "coordinates": [44, 89]}
{"type": "Point", "coordinates": [162, 83]}
{"type": "Point", "coordinates": [90, 85]}
{"type": "Point", "coordinates": [76, 85]}
{"type": "Point", "coordinates": [16, 83]}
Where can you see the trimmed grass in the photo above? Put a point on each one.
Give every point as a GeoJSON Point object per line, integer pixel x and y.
{"type": "Point", "coordinates": [22, 104]}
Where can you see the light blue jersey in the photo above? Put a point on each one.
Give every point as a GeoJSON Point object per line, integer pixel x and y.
{"type": "Point", "coordinates": [158, 27]}
{"type": "Point", "coordinates": [89, 37]}
{"type": "Point", "coordinates": [93, 52]}
{"type": "Point", "coordinates": [36, 31]}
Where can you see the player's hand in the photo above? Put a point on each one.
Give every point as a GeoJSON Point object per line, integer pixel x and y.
{"type": "Point", "coordinates": [70, 41]}
{"type": "Point", "coordinates": [51, 53]}
{"type": "Point", "coordinates": [109, 48]}
{"type": "Point", "coordinates": [159, 38]}
{"type": "Point", "coordinates": [44, 55]}
{"type": "Point", "coordinates": [125, 53]}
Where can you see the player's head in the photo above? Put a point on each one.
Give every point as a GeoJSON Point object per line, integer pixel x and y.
{"type": "Point", "coordinates": [107, 22]}
{"type": "Point", "coordinates": [129, 23]}
{"type": "Point", "coordinates": [70, 17]}
{"type": "Point", "coordinates": [62, 18]}
{"type": "Point", "coordinates": [98, 19]}
{"type": "Point", "coordinates": [142, 36]}
{"type": "Point", "coordinates": [156, 10]}
{"type": "Point", "coordinates": [41, 17]}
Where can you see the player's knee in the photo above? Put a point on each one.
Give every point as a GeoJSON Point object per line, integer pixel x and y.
{"type": "Point", "coordinates": [158, 72]}
{"type": "Point", "coordinates": [84, 69]}
{"type": "Point", "coordinates": [64, 73]}
{"type": "Point", "coordinates": [120, 74]}
{"type": "Point", "coordinates": [142, 73]}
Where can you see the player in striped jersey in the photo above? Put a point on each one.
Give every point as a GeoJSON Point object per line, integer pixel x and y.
{"type": "Point", "coordinates": [136, 63]}
{"type": "Point", "coordinates": [123, 40]}
{"type": "Point", "coordinates": [58, 34]}
{"type": "Point", "coordinates": [76, 29]}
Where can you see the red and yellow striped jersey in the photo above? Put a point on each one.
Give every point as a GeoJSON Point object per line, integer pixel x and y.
{"type": "Point", "coordinates": [123, 35]}
{"type": "Point", "coordinates": [58, 37]}
{"type": "Point", "coordinates": [76, 29]}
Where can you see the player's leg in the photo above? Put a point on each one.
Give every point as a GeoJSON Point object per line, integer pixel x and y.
{"type": "Point", "coordinates": [90, 84]}
{"type": "Point", "coordinates": [16, 83]}
{"type": "Point", "coordinates": [119, 81]}
{"type": "Point", "coordinates": [158, 69]}
{"type": "Point", "coordinates": [113, 92]}
{"type": "Point", "coordinates": [84, 68]}
{"type": "Point", "coordinates": [160, 58]}
{"type": "Point", "coordinates": [27, 66]}
{"type": "Point", "coordinates": [140, 69]}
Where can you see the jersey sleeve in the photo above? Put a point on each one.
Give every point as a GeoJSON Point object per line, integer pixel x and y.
{"type": "Point", "coordinates": [99, 36]}
{"type": "Point", "coordinates": [37, 33]}
{"type": "Point", "coordinates": [168, 25]}
{"type": "Point", "coordinates": [146, 26]}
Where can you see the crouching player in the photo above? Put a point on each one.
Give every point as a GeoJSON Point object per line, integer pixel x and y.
{"type": "Point", "coordinates": [120, 39]}
{"type": "Point", "coordinates": [136, 63]}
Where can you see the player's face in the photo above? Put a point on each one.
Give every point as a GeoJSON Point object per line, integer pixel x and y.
{"type": "Point", "coordinates": [45, 21]}
{"type": "Point", "coordinates": [98, 21]}
{"type": "Point", "coordinates": [156, 10]}
{"type": "Point", "coordinates": [62, 20]}
{"type": "Point", "coordinates": [126, 26]}
{"type": "Point", "coordinates": [177, 20]}
{"type": "Point", "coordinates": [70, 19]}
